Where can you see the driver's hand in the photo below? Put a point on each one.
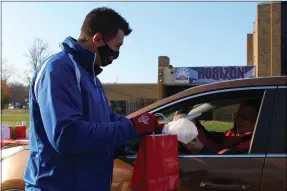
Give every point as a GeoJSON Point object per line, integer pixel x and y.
{"type": "Point", "coordinates": [195, 145]}
{"type": "Point", "coordinates": [179, 116]}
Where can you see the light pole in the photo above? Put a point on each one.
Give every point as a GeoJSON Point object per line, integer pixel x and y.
{"type": "Point", "coordinates": [27, 104]}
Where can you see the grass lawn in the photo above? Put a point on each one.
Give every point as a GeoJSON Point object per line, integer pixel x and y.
{"type": "Point", "coordinates": [15, 116]}
{"type": "Point", "coordinates": [217, 126]}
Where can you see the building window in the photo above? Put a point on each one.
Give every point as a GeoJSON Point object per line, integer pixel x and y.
{"type": "Point", "coordinates": [118, 106]}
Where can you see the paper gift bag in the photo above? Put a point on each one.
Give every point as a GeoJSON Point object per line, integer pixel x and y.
{"type": "Point", "coordinates": [156, 167]}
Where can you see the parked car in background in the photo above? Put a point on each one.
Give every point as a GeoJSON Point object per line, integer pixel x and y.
{"type": "Point", "coordinates": [262, 168]}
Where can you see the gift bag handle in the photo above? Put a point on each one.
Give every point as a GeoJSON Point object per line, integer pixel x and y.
{"type": "Point", "coordinates": [162, 115]}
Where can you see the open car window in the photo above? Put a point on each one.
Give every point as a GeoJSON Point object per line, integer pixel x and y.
{"type": "Point", "coordinates": [218, 111]}
{"type": "Point", "coordinates": [219, 119]}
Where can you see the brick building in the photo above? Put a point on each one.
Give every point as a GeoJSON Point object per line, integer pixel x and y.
{"type": "Point", "coordinates": [131, 97]}
{"type": "Point", "coordinates": [265, 47]}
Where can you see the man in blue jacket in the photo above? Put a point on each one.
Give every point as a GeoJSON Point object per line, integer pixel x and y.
{"type": "Point", "coordinates": [73, 131]}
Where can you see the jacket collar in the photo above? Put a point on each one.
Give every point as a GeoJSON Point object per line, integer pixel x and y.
{"type": "Point", "coordinates": [82, 56]}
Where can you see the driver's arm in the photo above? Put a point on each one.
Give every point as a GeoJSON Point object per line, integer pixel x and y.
{"type": "Point", "coordinates": [197, 147]}
{"type": "Point", "coordinates": [208, 151]}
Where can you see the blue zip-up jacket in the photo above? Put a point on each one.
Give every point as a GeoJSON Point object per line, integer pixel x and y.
{"type": "Point", "coordinates": [73, 131]}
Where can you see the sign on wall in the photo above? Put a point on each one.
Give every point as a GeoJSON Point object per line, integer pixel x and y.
{"type": "Point", "coordinates": [203, 75]}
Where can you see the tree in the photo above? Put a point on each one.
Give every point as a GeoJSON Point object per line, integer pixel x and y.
{"type": "Point", "coordinates": [5, 92]}
{"type": "Point", "coordinates": [7, 70]}
{"type": "Point", "coordinates": [18, 92]}
{"type": "Point", "coordinates": [36, 54]}
{"type": "Point", "coordinates": [5, 100]}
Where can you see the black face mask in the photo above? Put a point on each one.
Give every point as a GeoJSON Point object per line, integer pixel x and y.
{"type": "Point", "coordinates": [107, 55]}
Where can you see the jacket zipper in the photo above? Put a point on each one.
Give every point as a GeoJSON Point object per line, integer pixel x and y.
{"type": "Point", "coordinates": [94, 62]}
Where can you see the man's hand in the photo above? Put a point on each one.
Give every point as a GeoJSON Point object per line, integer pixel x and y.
{"type": "Point", "coordinates": [178, 116]}
{"type": "Point", "coordinates": [146, 123]}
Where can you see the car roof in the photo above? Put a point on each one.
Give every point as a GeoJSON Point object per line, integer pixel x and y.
{"type": "Point", "coordinates": [247, 82]}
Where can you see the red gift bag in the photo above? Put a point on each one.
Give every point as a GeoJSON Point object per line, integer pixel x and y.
{"type": "Point", "coordinates": [20, 132]}
{"type": "Point", "coordinates": [156, 167]}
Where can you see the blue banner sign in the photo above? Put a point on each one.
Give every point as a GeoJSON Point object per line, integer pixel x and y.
{"type": "Point", "coordinates": [203, 75]}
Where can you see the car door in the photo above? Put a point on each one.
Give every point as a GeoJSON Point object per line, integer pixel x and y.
{"type": "Point", "coordinates": [274, 175]}
{"type": "Point", "coordinates": [221, 172]}
{"type": "Point", "coordinates": [231, 172]}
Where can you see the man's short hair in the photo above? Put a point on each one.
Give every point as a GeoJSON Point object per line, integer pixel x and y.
{"type": "Point", "coordinates": [105, 21]}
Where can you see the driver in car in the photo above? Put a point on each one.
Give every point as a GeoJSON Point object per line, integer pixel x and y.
{"type": "Point", "coordinates": [236, 140]}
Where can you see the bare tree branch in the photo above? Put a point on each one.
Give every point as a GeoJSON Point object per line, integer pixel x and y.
{"type": "Point", "coordinates": [7, 70]}
{"type": "Point", "coordinates": [36, 54]}
{"type": "Point", "coordinates": [27, 77]}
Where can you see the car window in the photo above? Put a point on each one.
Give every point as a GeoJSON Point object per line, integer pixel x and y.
{"type": "Point", "coordinates": [218, 120]}
{"type": "Point", "coordinates": [227, 127]}
{"type": "Point", "coordinates": [277, 141]}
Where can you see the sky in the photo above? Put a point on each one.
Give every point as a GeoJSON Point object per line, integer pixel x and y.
{"type": "Point", "coordinates": [189, 33]}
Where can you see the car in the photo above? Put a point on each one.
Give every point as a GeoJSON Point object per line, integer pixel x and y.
{"type": "Point", "coordinates": [262, 167]}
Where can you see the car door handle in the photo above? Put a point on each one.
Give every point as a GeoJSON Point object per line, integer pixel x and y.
{"type": "Point", "coordinates": [222, 186]}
